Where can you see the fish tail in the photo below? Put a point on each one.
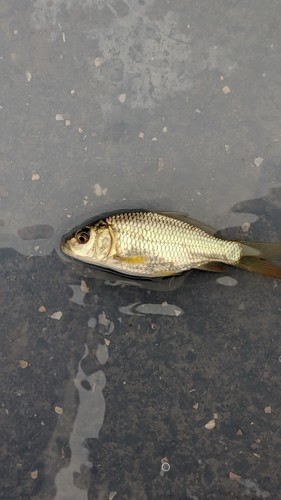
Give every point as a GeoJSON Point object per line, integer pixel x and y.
{"type": "Point", "coordinates": [254, 257]}
{"type": "Point", "coordinates": [271, 251]}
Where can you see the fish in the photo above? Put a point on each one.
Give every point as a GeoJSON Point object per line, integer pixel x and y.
{"type": "Point", "coordinates": [148, 244]}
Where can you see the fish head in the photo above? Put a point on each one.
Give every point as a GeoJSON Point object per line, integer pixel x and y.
{"type": "Point", "coordinates": [91, 244]}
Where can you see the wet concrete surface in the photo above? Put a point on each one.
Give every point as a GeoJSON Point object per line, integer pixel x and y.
{"type": "Point", "coordinates": [109, 103]}
{"type": "Point", "coordinates": [150, 104]}
{"type": "Point", "coordinates": [93, 401]}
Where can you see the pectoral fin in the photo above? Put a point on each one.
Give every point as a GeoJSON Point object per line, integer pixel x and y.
{"type": "Point", "coordinates": [131, 259]}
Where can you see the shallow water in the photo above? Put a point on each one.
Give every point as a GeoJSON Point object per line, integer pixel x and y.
{"type": "Point", "coordinates": [154, 105]}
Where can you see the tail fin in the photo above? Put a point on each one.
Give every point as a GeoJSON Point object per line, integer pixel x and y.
{"type": "Point", "coordinates": [266, 250]}
{"type": "Point", "coordinates": [260, 266]}
{"type": "Point", "coordinates": [254, 258]}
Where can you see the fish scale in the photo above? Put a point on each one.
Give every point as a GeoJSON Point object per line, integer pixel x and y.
{"type": "Point", "coordinates": [165, 240]}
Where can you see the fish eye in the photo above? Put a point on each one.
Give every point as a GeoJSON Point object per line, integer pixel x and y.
{"type": "Point", "coordinates": [83, 235]}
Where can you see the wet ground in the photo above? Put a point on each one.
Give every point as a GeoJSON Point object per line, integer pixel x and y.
{"type": "Point", "coordinates": [101, 382]}
{"type": "Point", "coordinates": [146, 104]}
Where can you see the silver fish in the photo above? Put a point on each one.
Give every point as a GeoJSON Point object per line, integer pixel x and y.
{"type": "Point", "coordinates": [152, 244]}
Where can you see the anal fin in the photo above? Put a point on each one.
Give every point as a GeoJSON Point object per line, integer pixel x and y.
{"type": "Point", "coordinates": [215, 267]}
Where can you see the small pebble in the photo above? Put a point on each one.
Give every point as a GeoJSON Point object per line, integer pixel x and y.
{"type": "Point", "coordinates": [258, 161]}
{"type": "Point", "coordinates": [268, 409]}
{"type": "Point", "coordinates": [59, 117]}
{"type": "Point", "coordinates": [28, 76]}
{"type": "Point", "coordinates": [84, 287]}
{"type": "Point", "coordinates": [35, 177]}
{"type": "Point", "coordinates": [56, 315]}
{"type": "Point", "coordinates": [112, 494]}
{"type": "Point", "coordinates": [23, 364]}
{"type": "Point", "coordinates": [210, 425]}
{"type": "Point", "coordinates": [226, 89]}
{"type": "Point", "coordinates": [99, 191]}
{"type": "Point", "coordinates": [233, 477]}
{"type": "Point", "coordinates": [58, 410]}
{"type": "Point", "coordinates": [122, 98]}
{"type": "Point", "coordinates": [245, 227]}
{"type": "Point", "coordinates": [98, 61]}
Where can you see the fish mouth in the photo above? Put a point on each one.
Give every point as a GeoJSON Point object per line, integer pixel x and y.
{"type": "Point", "coordinates": [66, 248]}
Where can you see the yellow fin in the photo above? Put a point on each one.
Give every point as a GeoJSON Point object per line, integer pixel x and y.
{"type": "Point", "coordinates": [131, 259]}
{"type": "Point", "coordinates": [260, 266]}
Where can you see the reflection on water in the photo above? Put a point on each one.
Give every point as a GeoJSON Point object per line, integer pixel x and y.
{"type": "Point", "coordinates": [78, 294]}
{"type": "Point", "coordinates": [160, 284]}
{"type": "Point", "coordinates": [163, 309]}
{"type": "Point", "coordinates": [227, 281]}
{"type": "Point", "coordinates": [72, 483]}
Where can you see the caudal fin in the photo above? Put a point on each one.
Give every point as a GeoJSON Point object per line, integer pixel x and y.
{"type": "Point", "coordinates": [260, 266]}
{"type": "Point", "coordinates": [254, 258]}
{"type": "Point", "coordinates": [264, 250]}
